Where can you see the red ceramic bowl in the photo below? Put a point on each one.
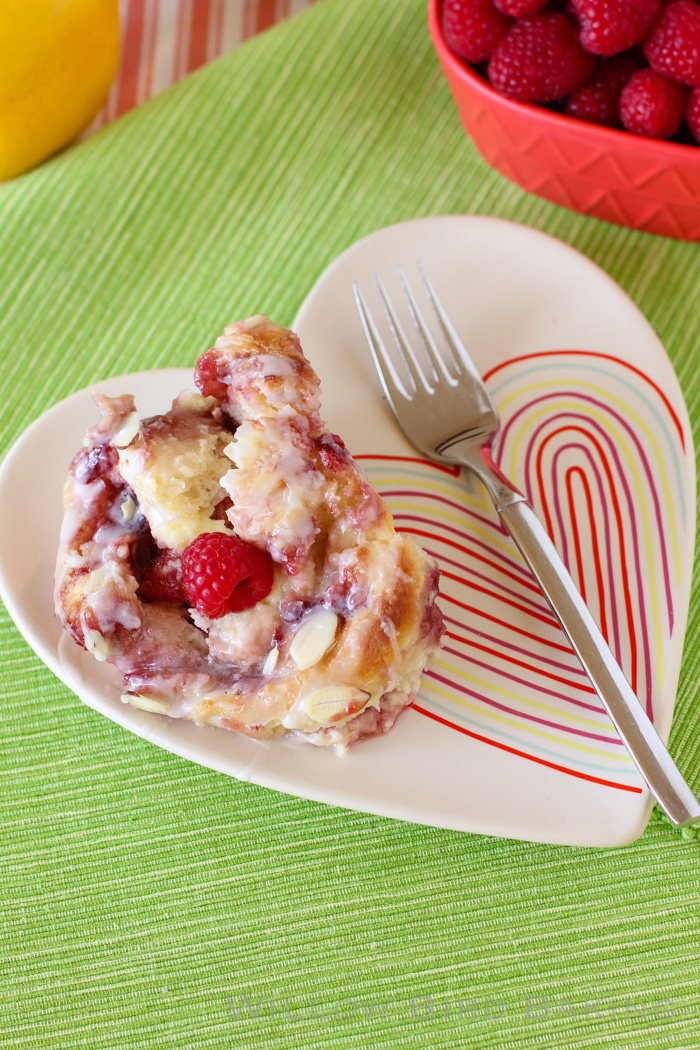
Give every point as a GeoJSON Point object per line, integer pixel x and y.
{"type": "Point", "coordinates": [644, 183]}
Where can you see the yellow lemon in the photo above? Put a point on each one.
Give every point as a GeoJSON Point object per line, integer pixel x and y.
{"type": "Point", "coordinates": [57, 61]}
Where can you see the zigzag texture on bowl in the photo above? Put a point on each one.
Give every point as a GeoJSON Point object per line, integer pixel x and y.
{"type": "Point", "coordinates": [647, 184]}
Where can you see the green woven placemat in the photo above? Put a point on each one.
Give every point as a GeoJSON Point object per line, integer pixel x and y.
{"type": "Point", "coordinates": [147, 902]}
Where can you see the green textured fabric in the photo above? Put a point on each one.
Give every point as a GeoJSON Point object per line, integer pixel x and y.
{"type": "Point", "coordinates": [144, 898]}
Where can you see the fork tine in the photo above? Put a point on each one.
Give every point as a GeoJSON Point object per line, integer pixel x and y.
{"type": "Point", "coordinates": [454, 342]}
{"type": "Point", "coordinates": [432, 352]}
{"type": "Point", "coordinates": [382, 362]}
{"type": "Point", "coordinates": [404, 348]}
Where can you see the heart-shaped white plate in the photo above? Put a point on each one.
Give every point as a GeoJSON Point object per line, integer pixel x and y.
{"type": "Point", "coordinates": [506, 737]}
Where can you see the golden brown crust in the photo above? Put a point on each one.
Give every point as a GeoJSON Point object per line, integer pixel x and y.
{"type": "Point", "coordinates": [256, 369]}
{"type": "Point", "coordinates": [337, 649]}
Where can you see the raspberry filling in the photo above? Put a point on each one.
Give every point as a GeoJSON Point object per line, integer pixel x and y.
{"type": "Point", "coordinates": [223, 574]}
{"type": "Point", "coordinates": [162, 580]}
{"type": "Point", "coordinates": [95, 462]}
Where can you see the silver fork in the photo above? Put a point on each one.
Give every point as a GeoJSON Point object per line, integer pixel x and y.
{"type": "Point", "coordinates": [446, 411]}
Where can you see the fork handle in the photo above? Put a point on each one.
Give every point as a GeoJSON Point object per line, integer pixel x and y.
{"type": "Point", "coordinates": [629, 717]}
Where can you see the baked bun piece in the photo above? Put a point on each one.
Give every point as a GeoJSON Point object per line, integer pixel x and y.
{"type": "Point", "coordinates": [233, 562]}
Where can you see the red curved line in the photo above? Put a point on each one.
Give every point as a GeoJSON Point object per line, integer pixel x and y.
{"type": "Point", "coordinates": [523, 716]}
{"type": "Point", "coordinates": [618, 521]}
{"type": "Point", "coordinates": [489, 520]}
{"type": "Point", "coordinates": [453, 471]}
{"type": "Point", "coordinates": [600, 584]}
{"type": "Point", "coordinates": [510, 646]}
{"type": "Point", "coordinates": [520, 663]}
{"type": "Point", "coordinates": [442, 559]}
{"type": "Point", "coordinates": [512, 675]}
{"type": "Point", "coordinates": [540, 483]}
{"type": "Point", "coordinates": [622, 481]}
{"type": "Point", "coordinates": [523, 754]}
{"type": "Point", "coordinates": [605, 357]}
{"type": "Point", "coordinates": [490, 593]}
{"type": "Point", "coordinates": [574, 528]}
{"type": "Point", "coordinates": [625, 494]}
{"type": "Point", "coordinates": [472, 553]}
{"type": "Point", "coordinates": [501, 623]}
{"type": "Point", "coordinates": [615, 642]}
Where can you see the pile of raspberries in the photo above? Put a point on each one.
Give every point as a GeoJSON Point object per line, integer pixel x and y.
{"type": "Point", "coordinates": [632, 64]}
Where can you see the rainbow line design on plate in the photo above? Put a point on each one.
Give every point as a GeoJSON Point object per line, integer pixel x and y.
{"type": "Point", "coordinates": [599, 451]}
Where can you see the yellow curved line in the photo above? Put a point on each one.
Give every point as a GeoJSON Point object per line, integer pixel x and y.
{"type": "Point", "coordinates": [483, 683]}
{"type": "Point", "coordinates": [464, 494]}
{"type": "Point", "coordinates": [526, 729]}
{"type": "Point", "coordinates": [493, 540]}
{"type": "Point", "coordinates": [631, 415]}
{"type": "Point", "coordinates": [624, 450]}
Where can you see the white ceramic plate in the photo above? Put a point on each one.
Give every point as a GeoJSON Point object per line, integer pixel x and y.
{"type": "Point", "coordinates": [506, 737]}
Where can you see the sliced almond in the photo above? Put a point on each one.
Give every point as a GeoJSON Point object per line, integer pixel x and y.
{"type": "Point", "coordinates": [334, 702]}
{"type": "Point", "coordinates": [127, 431]}
{"type": "Point", "coordinates": [271, 661]}
{"type": "Point", "coordinates": [144, 703]}
{"type": "Point", "coordinates": [313, 638]}
{"type": "Point", "coordinates": [128, 508]}
{"type": "Point", "coordinates": [97, 644]}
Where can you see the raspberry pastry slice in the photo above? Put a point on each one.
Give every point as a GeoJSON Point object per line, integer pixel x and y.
{"type": "Point", "coordinates": [233, 562]}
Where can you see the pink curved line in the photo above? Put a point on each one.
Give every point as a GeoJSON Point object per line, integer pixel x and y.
{"type": "Point", "coordinates": [501, 746]}
{"type": "Point", "coordinates": [493, 523]}
{"type": "Point", "coordinates": [539, 607]}
{"type": "Point", "coordinates": [512, 564]}
{"type": "Point", "coordinates": [472, 661]}
{"type": "Point", "coordinates": [526, 652]}
{"type": "Point", "coordinates": [604, 357]}
{"type": "Point", "coordinates": [440, 468]}
{"type": "Point", "coordinates": [468, 646]}
{"type": "Point", "coordinates": [585, 450]}
{"type": "Point", "coordinates": [632, 521]}
{"type": "Point", "coordinates": [520, 714]}
{"type": "Point", "coordinates": [642, 457]}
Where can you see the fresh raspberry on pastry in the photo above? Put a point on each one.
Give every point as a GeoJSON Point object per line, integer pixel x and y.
{"type": "Point", "coordinates": [233, 562]}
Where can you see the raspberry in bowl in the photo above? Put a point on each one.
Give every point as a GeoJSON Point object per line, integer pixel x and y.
{"type": "Point", "coordinates": [569, 154]}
